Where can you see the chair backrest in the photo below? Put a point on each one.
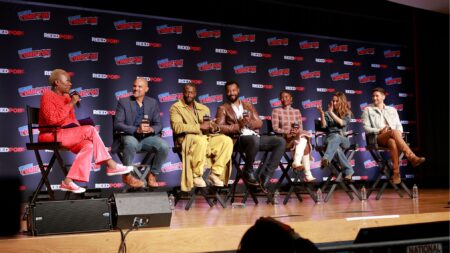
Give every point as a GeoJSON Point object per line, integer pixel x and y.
{"type": "Point", "coordinates": [267, 128]}
{"type": "Point", "coordinates": [33, 121]}
{"type": "Point", "coordinates": [318, 126]}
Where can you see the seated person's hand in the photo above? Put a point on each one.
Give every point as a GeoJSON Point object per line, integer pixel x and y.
{"type": "Point", "coordinates": [144, 129]}
{"type": "Point", "coordinates": [244, 122]}
{"type": "Point", "coordinates": [295, 131]}
{"type": "Point", "coordinates": [213, 127]}
{"type": "Point", "coordinates": [204, 126]}
{"type": "Point", "coordinates": [385, 129]}
{"type": "Point", "coordinates": [320, 110]}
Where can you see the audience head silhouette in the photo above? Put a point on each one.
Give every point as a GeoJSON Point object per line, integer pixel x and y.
{"type": "Point", "coordinates": [270, 235]}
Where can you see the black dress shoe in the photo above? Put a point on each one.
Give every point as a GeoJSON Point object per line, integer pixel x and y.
{"type": "Point", "coordinates": [264, 183]}
{"type": "Point", "coordinates": [250, 178]}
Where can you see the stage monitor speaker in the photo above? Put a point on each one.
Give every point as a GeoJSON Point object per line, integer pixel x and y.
{"type": "Point", "coordinates": [403, 232]}
{"type": "Point", "coordinates": [70, 216]}
{"type": "Point", "coordinates": [11, 202]}
{"type": "Point", "coordinates": [150, 207]}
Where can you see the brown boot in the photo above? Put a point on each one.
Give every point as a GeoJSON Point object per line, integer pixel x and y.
{"type": "Point", "coordinates": [416, 160]}
{"type": "Point", "coordinates": [396, 179]}
{"type": "Point", "coordinates": [151, 180]}
{"type": "Point", "coordinates": [132, 181]}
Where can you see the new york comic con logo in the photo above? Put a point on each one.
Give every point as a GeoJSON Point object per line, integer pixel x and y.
{"type": "Point", "coordinates": [92, 92]}
{"type": "Point", "coordinates": [29, 169]}
{"type": "Point", "coordinates": [12, 32]}
{"type": "Point", "coordinates": [336, 76]}
{"type": "Point", "coordinates": [273, 72]}
{"type": "Point", "coordinates": [167, 97]}
{"type": "Point", "coordinates": [391, 54]}
{"type": "Point", "coordinates": [207, 99]}
{"type": "Point", "coordinates": [365, 51]}
{"type": "Point", "coordinates": [23, 131]}
{"type": "Point", "coordinates": [306, 74]}
{"type": "Point", "coordinates": [205, 66]}
{"type": "Point", "coordinates": [239, 37]}
{"type": "Point", "coordinates": [311, 104]}
{"type": "Point", "coordinates": [122, 94]}
{"type": "Point", "coordinates": [124, 25]}
{"type": "Point", "coordinates": [204, 33]}
{"type": "Point", "coordinates": [367, 79]}
{"type": "Point", "coordinates": [29, 53]}
{"type": "Point", "coordinates": [169, 167]}
{"type": "Point", "coordinates": [29, 91]}
{"type": "Point", "coordinates": [165, 29]}
{"type": "Point", "coordinates": [166, 132]}
{"type": "Point", "coordinates": [274, 41]}
{"type": "Point", "coordinates": [79, 56]}
{"type": "Point", "coordinates": [166, 63]}
{"type": "Point", "coordinates": [241, 69]}
{"type": "Point", "coordinates": [79, 20]}
{"type": "Point", "coordinates": [393, 80]}
{"type": "Point", "coordinates": [309, 44]}
{"type": "Point", "coordinates": [334, 48]}
{"type": "Point", "coordinates": [28, 15]}
{"type": "Point", "coordinates": [275, 102]}
{"type": "Point", "coordinates": [125, 60]}
{"type": "Point", "coordinates": [12, 71]}
{"type": "Point", "coordinates": [252, 100]}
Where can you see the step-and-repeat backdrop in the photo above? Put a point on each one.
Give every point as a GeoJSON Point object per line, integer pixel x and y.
{"type": "Point", "coordinates": [104, 52]}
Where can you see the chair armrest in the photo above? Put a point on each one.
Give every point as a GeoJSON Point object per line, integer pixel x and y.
{"type": "Point", "coordinates": [371, 140]}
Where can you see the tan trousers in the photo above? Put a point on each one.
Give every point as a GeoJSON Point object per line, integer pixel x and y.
{"type": "Point", "coordinates": [200, 151]}
{"type": "Point", "coordinates": [393, 140]}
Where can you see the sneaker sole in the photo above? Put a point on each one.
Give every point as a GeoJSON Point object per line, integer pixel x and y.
{"type": "Point", "coordinates": [119, 172]}
{"type": "Point", "coordinates": [67, 190]}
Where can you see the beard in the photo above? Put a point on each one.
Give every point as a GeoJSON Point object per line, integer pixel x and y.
{"type": "Point", "coordinates": [232, 98]}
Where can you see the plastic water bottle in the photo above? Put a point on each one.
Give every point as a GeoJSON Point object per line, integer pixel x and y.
{"type": "Point", "coordinates": [415, 192]}
{"type": "Point", "coordinates": [363, 193]}
{"type": "Point", "coordinates": [319, 196]}
{"type": "Point", "coordinates": [172, 202]}
{"type": "Point", "coordinates": [237, 205]}
{"type": "Point", "coordinates": [276, 196]}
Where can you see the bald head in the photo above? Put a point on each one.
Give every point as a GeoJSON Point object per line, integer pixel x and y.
{"type": "Point", "coordinates": [140, 88]}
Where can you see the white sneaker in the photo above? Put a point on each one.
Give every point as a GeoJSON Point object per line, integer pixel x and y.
{"type": "Point", "coordinates": [119, 170]}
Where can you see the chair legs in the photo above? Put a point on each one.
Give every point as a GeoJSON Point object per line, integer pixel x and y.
{"type": "Point", "coordinates": [385, 171]}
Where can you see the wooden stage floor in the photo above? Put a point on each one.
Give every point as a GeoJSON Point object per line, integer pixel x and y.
{"type": "Point", "coordinates": [205, 229]}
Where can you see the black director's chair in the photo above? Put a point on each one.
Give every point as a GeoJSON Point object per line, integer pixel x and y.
{"type": "Point", "coordinates": [385, 166]}
{"type": "Point", "coordinates": [334, 163]}
{"type": "Point", "coordinates": [210, 193]}
{"type": "Point", "coordinates": [54, 146]}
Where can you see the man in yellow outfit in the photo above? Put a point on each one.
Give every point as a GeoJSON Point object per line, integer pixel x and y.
{"type": "Point", "coordinates": [201, 143]}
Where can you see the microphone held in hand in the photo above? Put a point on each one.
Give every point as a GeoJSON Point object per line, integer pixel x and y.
{"type": "Point", "coordinates": [245, 114]}
{"type": "Point", "coordinates": [75, 93]}
{"type": "Point", "coordinates": [295, 125]}
{"type": "Point", "coordinates": [206, 118]}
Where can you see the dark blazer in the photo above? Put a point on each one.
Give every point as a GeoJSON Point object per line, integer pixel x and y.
{"type": "Point", "coordinates": [227, 120]}
{"type": "Point", "coordinates": [126, 114]}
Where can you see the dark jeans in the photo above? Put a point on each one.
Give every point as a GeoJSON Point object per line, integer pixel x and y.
{"type": "Point", "coordinates": [251, 144]}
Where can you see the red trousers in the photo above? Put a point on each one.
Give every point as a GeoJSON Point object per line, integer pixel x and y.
{"type": "Point", "coordinates": [86, 143]}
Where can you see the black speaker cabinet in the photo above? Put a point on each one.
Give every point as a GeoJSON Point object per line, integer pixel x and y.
{"type": "Point", "coordinates": [150, 207]}
{"type": "Point", "coordinates": [70, 216]}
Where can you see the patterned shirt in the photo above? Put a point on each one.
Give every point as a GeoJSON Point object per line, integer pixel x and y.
{"type": "Point", "coordinates": [282, 119]}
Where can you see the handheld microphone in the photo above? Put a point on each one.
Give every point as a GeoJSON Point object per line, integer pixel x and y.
{"type": "Point", "coordinates": [295, 125]}
{"type": "Point", "coordinates": [206, 118]}
{"type": "Point", "coordinates": [75, 93]}
{"type": "Point", "coordinates": [245, 114]}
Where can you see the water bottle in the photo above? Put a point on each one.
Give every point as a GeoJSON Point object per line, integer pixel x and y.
{"type": "Point", "coordinates": [319, 196]}
{"type": "Point", "coordinates": [237, 205]}
{"type": "Point", "coordinates": [415, 192]}
{"type": "Point", "coordinates": [171, 202]}
{"type": "Point", "coordinates": [363, 193]}
{"type": "Point", "coordinates": [276, 196]}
